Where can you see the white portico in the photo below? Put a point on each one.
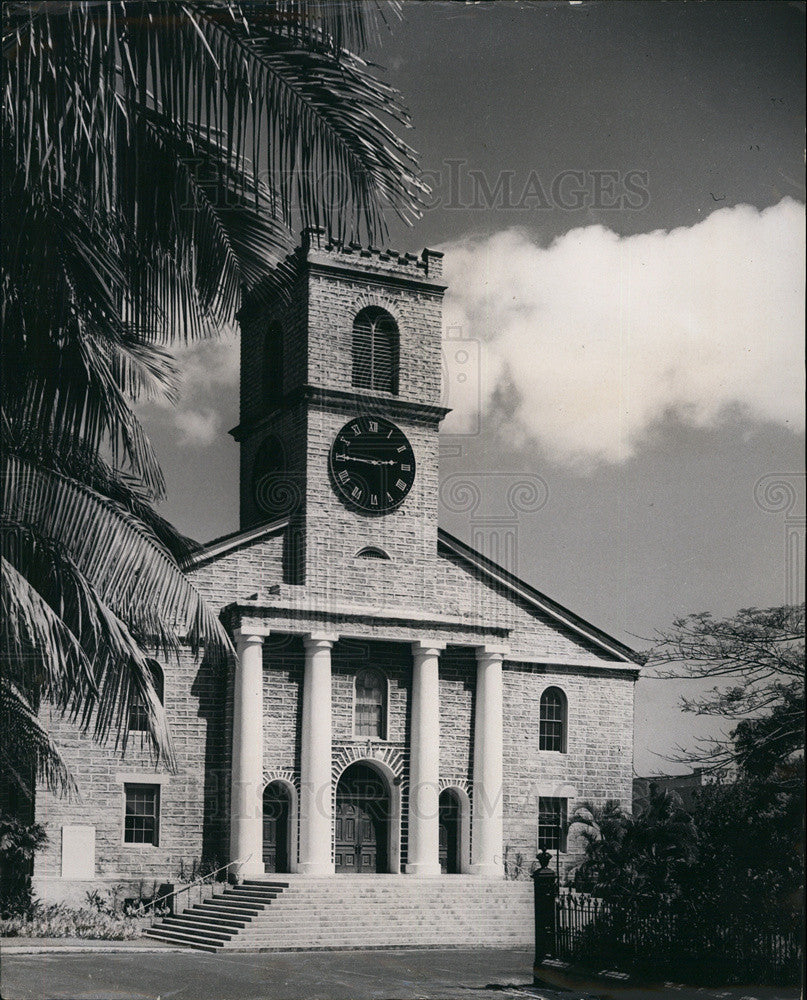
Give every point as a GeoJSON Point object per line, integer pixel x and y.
{"type": "Point", "coordinates": [419, 757]}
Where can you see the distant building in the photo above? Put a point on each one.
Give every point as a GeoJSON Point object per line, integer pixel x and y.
{"type": "Point", "coordinates": [684, 785]}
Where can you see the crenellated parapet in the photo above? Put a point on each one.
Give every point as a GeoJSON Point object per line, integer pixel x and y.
{"type": "Point", "coordinates": [429, 264]}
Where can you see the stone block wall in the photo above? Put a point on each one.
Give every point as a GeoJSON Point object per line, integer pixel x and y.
{"type": "Point", "coordinates": [597, 764]}
{"type": "Point", "coordinates": [193, 799]}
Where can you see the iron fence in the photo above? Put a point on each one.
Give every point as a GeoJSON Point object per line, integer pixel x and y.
{"type": "Point", "coordinates": [687, 944]}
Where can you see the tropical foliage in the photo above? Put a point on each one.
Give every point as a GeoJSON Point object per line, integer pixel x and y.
{"type": "Point", "coordinates": [755, 661]}
{"type": "Point", "coordinates": [635, 857]}
{"type": "Point", "coordinates": [155, 156]}
{"type": "Point", "coordinates": [19, 842]}
{"type": "Point", "coordinates": [739, 851]}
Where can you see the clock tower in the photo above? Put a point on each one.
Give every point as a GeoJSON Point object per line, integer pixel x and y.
{"type": "Point", "coordinates": [340, 411]}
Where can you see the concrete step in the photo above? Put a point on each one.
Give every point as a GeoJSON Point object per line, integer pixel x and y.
{"type": "Point", "coordinates": [201, 943]}
{"type": "Point", "coordinates": [354, 913]}
{"type": "Point", "coordinates": [219, 919]}
{"type": "Point", "coordinates": [188, 923]}
{"type": "Point", "coordinates": [238, 912]}
{"type": "Point", "coordinates": [250, 897]}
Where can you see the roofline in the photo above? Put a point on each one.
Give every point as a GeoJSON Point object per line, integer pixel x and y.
{"type": "Point", "coordinates": [226, 543]}
{"type": "Point", "coordinates": [534, 597]}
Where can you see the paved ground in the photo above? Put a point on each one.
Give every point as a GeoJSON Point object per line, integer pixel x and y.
{"type": "Point", "coordinates": [336, 975]}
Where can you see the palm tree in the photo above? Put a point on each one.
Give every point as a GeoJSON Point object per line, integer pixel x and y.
{"type": "Point", "coordinates": [635, 857]}
{"type": "Point", "coordinates": [156, 156]}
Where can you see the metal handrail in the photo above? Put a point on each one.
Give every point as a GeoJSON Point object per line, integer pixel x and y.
{"type": "Point", "coordinates": [506, 864]}
{"type": "Point", "coordinates": [191, 885]}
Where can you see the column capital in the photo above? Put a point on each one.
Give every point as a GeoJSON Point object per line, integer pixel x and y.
{"type": "Point", "coordinates": [491, 652]}
{"type": "Point", "coordinates": [426, 647]}
{"type": "Point", "coordinates": [320, 640]}
{"type": "Point", "coordinates": [246, 638]}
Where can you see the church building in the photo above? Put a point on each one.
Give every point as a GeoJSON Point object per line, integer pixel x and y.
{"type": "Point", "coordinates": [398, 704]}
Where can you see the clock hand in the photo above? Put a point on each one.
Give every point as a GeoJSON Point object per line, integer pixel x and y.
{"type": "Point", "coordinates": [365, 461]}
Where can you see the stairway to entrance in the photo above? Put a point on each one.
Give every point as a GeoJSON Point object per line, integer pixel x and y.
{"type": "Point", "coordinates": [369, 911]}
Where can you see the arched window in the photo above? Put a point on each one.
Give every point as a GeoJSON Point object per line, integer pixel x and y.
{"type": "Point", "coordinates": [273, 364]}
{"type": "Point", "coordinates": [138, 711]}
{"type": "Point", "coordinates": [552, 735]}
{"type": "Point", "coordinates": [371, 698]}
{"type": "Point", "coordinates": [375, 351]}
{"type": "Point", "coordinates": [371, 552]}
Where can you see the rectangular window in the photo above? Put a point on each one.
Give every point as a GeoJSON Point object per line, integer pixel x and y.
{"type": "Point", "coordinates": [142, 818]}
{"type": "Point", "coordinates": [138, 716]}
{"type": "Point", "coordinates": [552, 824]}
{"type": "Point", "coordinates": [138, 711]}
{"type": "Point", "coordinates": [369, 721]}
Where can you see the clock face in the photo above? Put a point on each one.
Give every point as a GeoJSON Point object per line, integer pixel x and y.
{"type": "Point", "coordinates": [372, 464]}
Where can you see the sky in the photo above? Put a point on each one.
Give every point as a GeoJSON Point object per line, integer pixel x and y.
{"type": "Point", "coordinates": [619, 192]}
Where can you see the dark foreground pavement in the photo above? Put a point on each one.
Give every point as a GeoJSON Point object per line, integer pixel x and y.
{"type": "Point", "coordinates": [334, 975]}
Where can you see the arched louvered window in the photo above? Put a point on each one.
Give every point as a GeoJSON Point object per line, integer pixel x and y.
{"type": "Point", "coordinates": [375, 351]}
{"type": "Point", "coordinates": [371, 698]}
{"type": "Point", "coordinates": [552, 734]}
{"type": "Point", "coordinates": [371, 552]}
{"type": "Point", "coordinates": [138, 711]}
{"type": "Point", "coordinates": [273, 364]}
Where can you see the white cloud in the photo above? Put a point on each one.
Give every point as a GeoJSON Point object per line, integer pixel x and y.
{"type": "Point", "coordinates": [602, 336]}
{"type": "Point", "coordinates": [198, 428]}
{"type": "Point", "coordinates": [209, 373]}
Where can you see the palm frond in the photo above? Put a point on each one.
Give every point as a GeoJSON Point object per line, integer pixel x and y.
{"type": "Point", "coordinates": [132, 572]}
{"type": "Point", "coordinates": [26, 748]}
{"type": "Point", "coordinates": [61, 644]}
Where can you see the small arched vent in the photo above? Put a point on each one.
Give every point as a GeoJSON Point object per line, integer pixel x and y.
{"type": "Point", "coordinates": [371, 552]}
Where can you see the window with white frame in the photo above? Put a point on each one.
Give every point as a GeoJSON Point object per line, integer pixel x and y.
{"type": "Point", "coordinates": [552, 816]}
{"type": "Point", "coordinates": [371, 698]}
{"type": "Point", "coordinates": [552, 721]}
{"type": "Point", "coordinates": [138, 710]}
{"type": "Point", "coordinates": [141, 823]}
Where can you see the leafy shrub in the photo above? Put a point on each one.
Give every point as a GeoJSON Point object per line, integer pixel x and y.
{"type": "Point", "coordinates": [58, 920]}
{"type": "Point", "coordinates": [18, 845]}
{"type": "Point", "coordinates": [200, 868]}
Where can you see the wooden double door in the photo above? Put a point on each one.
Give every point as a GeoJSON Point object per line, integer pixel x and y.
{"type": "Point", "coordinates": [362, 822]}
{"type": "Point", "coordinates": [449, 834]}
{"type": "Point", "coordinates": [276, 828]}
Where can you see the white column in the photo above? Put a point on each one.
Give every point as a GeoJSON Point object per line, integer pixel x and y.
{"type": "Point", "coordinates": [246, 793]}
{"type": "Point", "coordinates": [423, 856]}
{"type": "Point", "coordinates": [486, 831]}
{"type": "Point", "coordinates": [316, 821]}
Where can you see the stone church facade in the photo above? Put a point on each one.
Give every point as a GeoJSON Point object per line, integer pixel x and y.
{"type": "Point", "coordinates": [397, 702]}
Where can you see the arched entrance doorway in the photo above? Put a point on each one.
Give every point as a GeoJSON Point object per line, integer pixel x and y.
{"type": "Point", "coordinates": [362, 821]}
{"type": "Point", "coordinates": [450, 842]}
{"type": "Point", "coordinates": [276, 827]}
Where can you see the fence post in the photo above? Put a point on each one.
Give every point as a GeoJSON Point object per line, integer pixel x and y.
{"type": "Point", "coordinates": [545, 892]}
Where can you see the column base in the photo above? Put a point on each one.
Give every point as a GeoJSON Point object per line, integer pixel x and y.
{"type": "Point", "coordinates": [487, 869]}
{"type": "Point", "coordinates": [249, 869]}
{"type": "Point", "coordinates": [316, 868]}
{"type": "Point", "coordinates": [427, 870]}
